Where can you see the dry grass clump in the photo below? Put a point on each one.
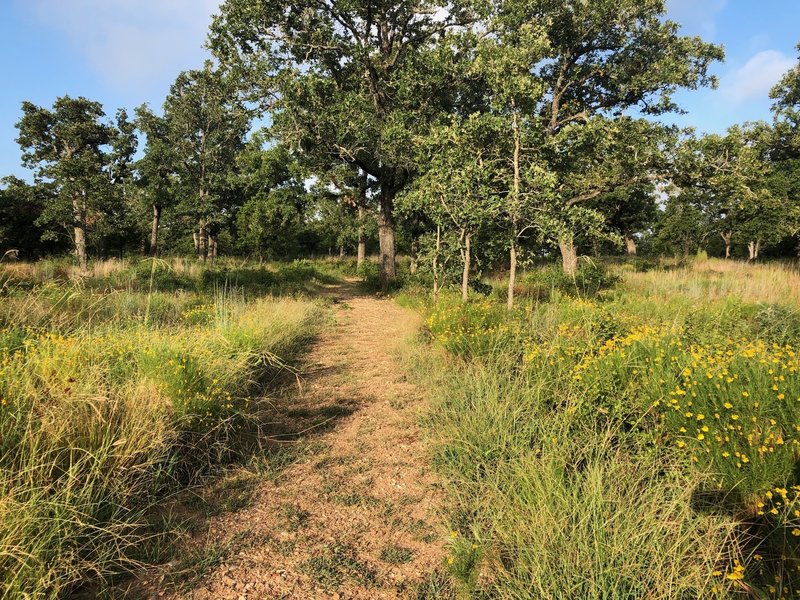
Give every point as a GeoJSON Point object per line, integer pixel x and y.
{"type": "Point", "coordinates": [110, 401]}
{"type": "Point", "coordinates": [714, 279]}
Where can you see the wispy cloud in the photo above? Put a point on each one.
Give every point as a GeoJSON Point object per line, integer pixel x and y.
{"type": "Point", "coordinates": [696, 16]}
{"type": "Point", "coordinates": [756, 77]}
{"type": "Point", "coordinates": [130, 43]}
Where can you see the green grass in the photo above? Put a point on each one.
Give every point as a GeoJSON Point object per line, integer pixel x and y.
{"type": "Point", "coordinates": [337, 565]}
{"type": "Point", "coordinates": [638, 438]}
{"type": "Point", "coordinates": [396, 555]}
{"type": "Point", "coordinates": [113, 396]}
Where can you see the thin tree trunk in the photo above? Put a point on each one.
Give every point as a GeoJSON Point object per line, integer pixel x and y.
{"type": "Point", "coordinates": [154, 230]}
{"type": "Point", "coordinates": [212, 247]}
{"type": "Point", "coordinates": [436, 263]}
{"type": "Point", "coordinates": [752, 249]}
{"type": "Point", "coordinates": [388, 268]}
{"type": "Point", "coordinates": [79, 219]}
{"type": "Point", "coordinates": [569, 254]}
{"type": "Point", "coordinates": [341, 252]}
{"type": "Point", "coordinates": [630, 246]}
{"type": "Point", "coordinates": [196, 239]}
{"type": "Point", "coordinates": [362, 239]}
{"type": "Point", "coordinates": [414, 254]}
{"type": "Point", "coordinates": [466, 254]}
{"type": "Point", "coordinates": [512, 271]}
{"type": "Point", "coordinates": [727, 237]}
{"type": "Point", "coordinates": [202, 242]}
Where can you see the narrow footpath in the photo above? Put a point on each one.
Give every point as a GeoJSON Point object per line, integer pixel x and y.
{"type": "Point", "coordinates": [357, 516]}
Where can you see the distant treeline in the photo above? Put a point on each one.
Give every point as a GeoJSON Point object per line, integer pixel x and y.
{"type": "Point", "coordinates": [465, 134]}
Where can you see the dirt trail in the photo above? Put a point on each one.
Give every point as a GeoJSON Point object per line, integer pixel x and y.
{"type": "Point", "coordinates": [357, 516]}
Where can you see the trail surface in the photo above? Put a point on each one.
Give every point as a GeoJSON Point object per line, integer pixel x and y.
{"type": "Point", "coordinates": [356, 517]}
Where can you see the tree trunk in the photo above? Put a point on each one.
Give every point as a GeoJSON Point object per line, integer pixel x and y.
{"type": "Point", "coordinates": [569, 255]}
{"type": "Point", "coordinates": [466, 254]}
{"type": "Point", "coordinates": [727, 236]}
{"type": "Point", "coordinates": [196, 239]}
{"type": "Point", "coordinates": [80, 248]}
{"type": "Point", "coordinates": [630, 246]}
{"type": "Point", "coordinates": [362, 239]}
{"type": "Point", "coordinates": [436, 263]}
{"type": "Point", "coordinates": [79, 219]}
{"type": "Point", "coordinates": [753, 248]}
{"type": "Point", "coordinates": [202, 243]}
{"type": "Point", "coordinates": [388, 269]}
{"type": "Point", "coordinates": [212, 247]}
{"type": "Point", "coordinates": [515, 190]}
{"type": "Point", "coordinates": [341, 252]}
{"type": "Point", "coordinates": [512, 272]}
{"type": "Point", "coordinates": [154, 230]}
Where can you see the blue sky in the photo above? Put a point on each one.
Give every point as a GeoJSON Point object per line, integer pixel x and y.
{"type": "Point", "coordinates": [126, 52]}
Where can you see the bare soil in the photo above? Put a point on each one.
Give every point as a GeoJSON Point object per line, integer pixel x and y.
{"type": "Point", "coordinates": [357, 515]}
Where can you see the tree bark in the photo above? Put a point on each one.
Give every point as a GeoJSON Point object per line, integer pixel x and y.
{"type": "Point", "coordinates": [362, 239]}
{"type": "Point", "coordinates": [466, 254]}
{"type": "Point", "coordinates": [388, 268]}
{"type": "Point", "coordinates": [515, 189]}
{"type": "Point", "coordinates": [753, 248]}
{"type": "Point", "coordinates": [79, 220]}
{"type": "Point", "coordinates": [512, 272]}
{"type": "Point", "coordinates": [202, 242]}
{"type": "Point", "coordinates": [154, 230]}
{"type": "Point", "coordinates": [212, 247]}
{"type": "Point", "coordinates": [727, 236]}
{"type": "Point", "coordinates": [630, 246]}
{"type": "Point", "coordinates": [341, 252]}
{"type": "Point", "coordinates": [80, 248]}
{"type": "Point", "coordinates": [569, 254]}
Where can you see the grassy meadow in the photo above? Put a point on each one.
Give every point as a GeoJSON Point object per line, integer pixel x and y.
{"type": "Point", "coordinates": [632, 433]}
{"type": "Point", "coordinates": [123, 387]}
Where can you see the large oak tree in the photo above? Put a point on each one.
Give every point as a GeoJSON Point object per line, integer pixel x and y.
{"type": "Point", "coordinates": [353, 80]}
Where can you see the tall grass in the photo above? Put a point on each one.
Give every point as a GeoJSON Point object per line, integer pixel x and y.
{"type": "Point", "coordinates": [103, 411]}
{"type": "Point", "coordinates": [640, 442]}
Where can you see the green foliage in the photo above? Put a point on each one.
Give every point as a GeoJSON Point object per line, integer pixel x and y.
{"type": "Point", "coordinates": [104, 412]}
{"type": "Point", "coordinates": [84, 158]}
{"type": "Point", "coordinates": [269, 225]}
{"type": "Point", "coordinates": [21, 206]}
{"type": "Point", "coordinates": [664, 413]}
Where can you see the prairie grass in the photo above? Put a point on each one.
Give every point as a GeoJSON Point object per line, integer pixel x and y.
{"type": "Point", "coordinates": [631, 440]}
{"type": "Point", "coordinates": [113, 398]}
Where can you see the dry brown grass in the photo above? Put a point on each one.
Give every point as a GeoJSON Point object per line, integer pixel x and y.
{"type": "Point", "coordinates": [714, 279]}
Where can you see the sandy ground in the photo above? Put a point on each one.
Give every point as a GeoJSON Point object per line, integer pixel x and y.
{"type": "Point", "coordinates": [357, 517]}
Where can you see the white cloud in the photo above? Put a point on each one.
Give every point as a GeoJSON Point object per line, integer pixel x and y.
{"type": "Point", "coordinates": [756, 77]}
{"type": "Point", "coordinates": [696, 16]}
{"type": "Point", "coordinates": [130, 43]}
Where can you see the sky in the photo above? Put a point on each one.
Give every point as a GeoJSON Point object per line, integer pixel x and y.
{"type": "Point", "coordinates": [126, 52]}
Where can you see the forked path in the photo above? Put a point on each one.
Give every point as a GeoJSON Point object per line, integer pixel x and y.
{"type": "Point", "coordinates": [357, 516]}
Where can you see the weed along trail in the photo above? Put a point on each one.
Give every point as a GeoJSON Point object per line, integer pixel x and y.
{"type": "Point", "coordinates": [356, 515]}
